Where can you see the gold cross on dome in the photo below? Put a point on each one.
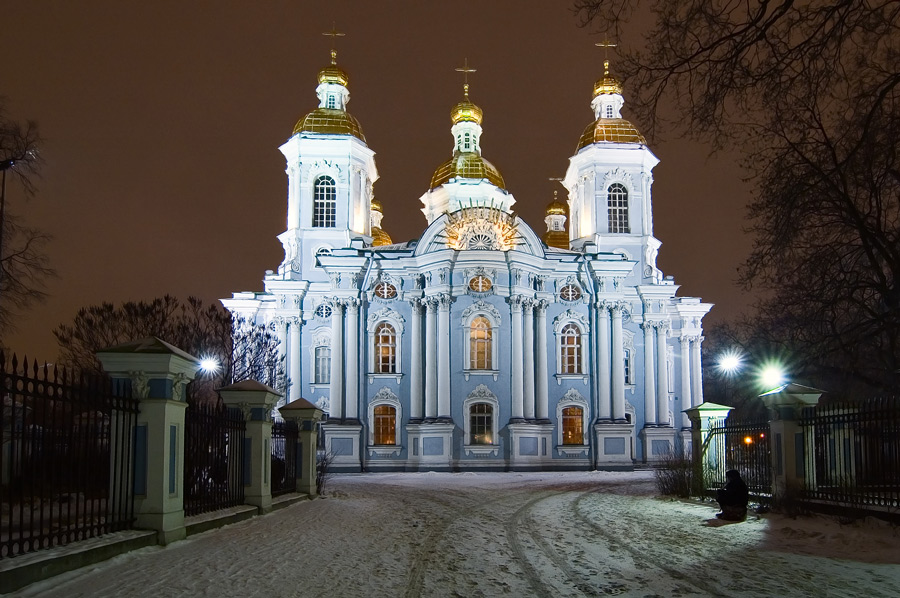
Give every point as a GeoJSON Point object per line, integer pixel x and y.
{"type": "Point", "coordinates": [465, 70]}
{"type": "Point", "coordinates": [333, 34]}
{"type": "Point", "coordinates": [554, 179]}
{"type": "Point", "coordinates": [606, 45]}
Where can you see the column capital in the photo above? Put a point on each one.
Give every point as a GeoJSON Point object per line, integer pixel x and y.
{"type": "Point", "coordinates": [336, 303]}
{"type": "Point", "coordinates": [416, 304]}
{"type": "Point", "coordinates": [540, 306]}
{"type": "Point", "coordinates": [352, 304]}
{"type": "Point", "coordinates": [515, 302]}
{"type": "Point", "coordinates": [618, 308]}
{"type": "Point", "coordinates": [528, 303]}
{"type": "Point", "coordinates": [444, 300]}
{"type": "Point", "coordinates": [661, 325]}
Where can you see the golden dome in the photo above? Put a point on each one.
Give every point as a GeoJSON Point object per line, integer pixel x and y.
{"type": "Point", "coordinates": [608, 84]}
{"type": "Point", "coordinates": [375, 205]}
{"type": "Point", "coordinates": [333, 73]}
{"type": "Point", "coordinates": [556, 208]}
{"type": "Point", "coordinates": [466, 165]}
{"type": "Point", "coordinates": [556, 238]}
{"type": "Point", "coordinates": [466, 110]}
{"type": "Point", "coordinates": [610, 130]}
{"type": "Point", "coordinates": [380, 238]}
{"type": "Point", "coordinates": [330, 122]}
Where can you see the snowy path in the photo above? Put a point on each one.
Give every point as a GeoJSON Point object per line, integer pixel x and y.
{"type": "Point", "coordinates": [467, 535]}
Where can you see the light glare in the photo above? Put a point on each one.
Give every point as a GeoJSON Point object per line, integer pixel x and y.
{"type": "Point", "coordinates": [772, 376]}
{"type": "Point", "coordinates": [209, 365]}
{"type": "Point", "coordinates": [730, 362]}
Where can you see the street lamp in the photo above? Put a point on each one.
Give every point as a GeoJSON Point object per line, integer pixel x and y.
{"type": "Point", "coordinates": [772, 376]}
{"type": "Point", "coordinates": [729, 364]}
{"type": "Point", "coordinates": [209, 365]}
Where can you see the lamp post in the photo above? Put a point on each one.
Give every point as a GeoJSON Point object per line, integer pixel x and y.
{"type": "Point", "coordinates": [729, 364]}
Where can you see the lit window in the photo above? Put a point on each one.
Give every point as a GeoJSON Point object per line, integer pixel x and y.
{"type": "Point", "coordinates": [385, 290]}
{"type": "Point", "coordinates": [481, 422]}
{"type": "Point", "coordinates": [385, 349]}
{"type": "Point", "coordinates": [570, 350]}
{"type": "Point", "coordinates": [324, 203]}
{"type": "Point", "coordinates": [618, 208]}
{"type": "Point", "coordinates": [322, 375]}
{"type": "Point", "coordinates": [572, 421]}
{"type": "Point", "coordinates": [480, 344]}
{"type": "Point", "coordinates": [323, 311]}
{"type": "Point", "coordinates": [385, 425]}
{"type": "Point", "coordinates": [570, 292]}
{"type": "Point", "coordinates": [480, 284]}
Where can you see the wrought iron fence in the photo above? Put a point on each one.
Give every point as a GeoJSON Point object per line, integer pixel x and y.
{"type": "Point", "coordinates": [740, 445]}
{"type": "Point", "coordinates": [852, 453]}
{"type": "Point", "coordinates": [284, 457]}
{"type": "Point", "coordinates": [66, 456]}
{"type": "Point", "coordinates": [213, 458]}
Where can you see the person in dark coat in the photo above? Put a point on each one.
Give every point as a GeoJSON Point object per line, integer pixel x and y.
{"type": "Point", "coordinates": [733, 497]}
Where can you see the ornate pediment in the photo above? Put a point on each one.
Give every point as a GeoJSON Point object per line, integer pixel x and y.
{"type": "Point", "coordinates": [481, 228]}
{"type": "Point", "coordinates": [481, 307]}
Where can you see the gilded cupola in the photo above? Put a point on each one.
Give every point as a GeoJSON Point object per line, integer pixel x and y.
{"type": "Point", "coordinates": [331, 117]}
{"type": "Point", "coordinates": [609, 126]}
{"type": "Point", "coordinates": [557, 234]}
{"type": "Point", "coordinates": [379, 236]}
{"type": "Point", "coordinates": [467, 162]}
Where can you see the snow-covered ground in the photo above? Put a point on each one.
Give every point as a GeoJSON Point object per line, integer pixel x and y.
{"type": "Point", "coordinates": [493, 534]}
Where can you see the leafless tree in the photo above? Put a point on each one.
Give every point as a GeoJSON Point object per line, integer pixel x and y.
{"type": "Point", "coordinates": [23, 264]}
{"type": "Point", "coordinates": [808, 90]}
{"type": "Point", "coordinates": [242, 349]}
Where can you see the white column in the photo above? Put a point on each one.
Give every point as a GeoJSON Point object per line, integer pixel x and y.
{"type": "Point", "coordinates": [618, 364]}
{"type": "Point", "coordinates": [337, 360]}
{"type": "Point", "coordinates": [686, 401]}
{"type": "Point", "coordinates": [351, 359]}
{"type": "Point", "coordinates": [604, 409]}
{"type": "Point", "coordinates": [443, 373]}
{"type": "Point", "coordinates": [430, 359]}
{"type": "Point", "coordinates": [542, 374]}
{"type": "Point", "coordinates": [662, 377]}
{"type": "Point", "coordinates": [528, 347]}
{"type": "Point", "coordinates": [296, 364]}
{"type": "Point", "coordinates": [518, 387]}
{"type": "Point", "coordinates": [696, 376]}
{"type": "Point", "coordinates": [416, 397]}
{"type": "Point", "coordinates": [650, 417]}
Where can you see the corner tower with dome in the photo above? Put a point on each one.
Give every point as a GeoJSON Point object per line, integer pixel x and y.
{"type": "Point", "coordinates": [481, 345]}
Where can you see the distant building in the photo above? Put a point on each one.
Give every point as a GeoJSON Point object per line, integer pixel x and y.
{"type": "Point", "coordinates": [480, 345]}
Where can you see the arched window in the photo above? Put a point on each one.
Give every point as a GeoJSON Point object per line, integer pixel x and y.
{"type": "Point", "coordinates": [385, 425]}
{"type": "Point", "coordinates": [480, 349]}
{"type": "Point", "coordinates": [618, 208]}
{"type": "Point", "coordinates": [481, 424]}
{"type": "Point", "coordinates": [332, 101]}
{"type": "Point", "coordinates": [572, 422]}
{"type": "Point", "coordinates": [324, 202]}
{"type": "Point", "coordinates": [570, 350]}
{"type": "Point", "coordinates": [467, 142]}
{"type": "Point", "coordinates": [609, 111]}
{"type": "Point", "coordinates": [385, 349]}
{"type": "Point", "coordinates": [322, 374]}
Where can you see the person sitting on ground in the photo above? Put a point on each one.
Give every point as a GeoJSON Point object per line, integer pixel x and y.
{"type": "Point", "coordinates": [733, 497]}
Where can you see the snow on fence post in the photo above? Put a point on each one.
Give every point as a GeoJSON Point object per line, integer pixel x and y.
{"type": "Point", "coordinates": [788, 445]}
{"type": "Point", "coordinates": [157, 373]}
{"type": "Point", "coordinates": [307, 417]}
{"type": "Point", "coordinates": [255, 400]}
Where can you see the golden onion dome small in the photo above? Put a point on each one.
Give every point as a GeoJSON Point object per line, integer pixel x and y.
{"type": "Point", "coordinates": [608, 84]}
{"type": "Point", "coordinates": [328, 121]}
{"type": "Point", "coordinates": [333, 73]}
{"type": "Point", "coordinates": [556, 208]}
{"type": "Point", "coordinates": [466, 111]}
{"type": "Point", "coordinates": [610, 130]}
{"type": "Point", "coordinates": [467, 165]}
{"type": "Point", "coordinates": [380, 238]}
{"type": "Point", "coordinates": [375, 206]}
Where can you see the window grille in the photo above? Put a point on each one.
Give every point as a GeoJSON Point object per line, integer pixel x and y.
{"type": "Point", "coordinates": [324, 203]}
{"type": "Point", "coordinates": [480, 347]}
{"type": "Point", "coordinates": [570, 350]}
{"type": "Point", "coordinates": [481, 416]}
{"type": "Point", "coordinates": [323, 365]}
{"type": "Point", "coordinates": [572, 422]}
{"type": "Point", "coordinates": [385, 349]}
{"type": "Point", "coordinates": [618, 208]}
{"type": "Point", "coordinates": [385, 425]}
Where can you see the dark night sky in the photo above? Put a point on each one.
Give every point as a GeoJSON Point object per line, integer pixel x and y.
{"type": "Point", "coordinates": [162, 122]}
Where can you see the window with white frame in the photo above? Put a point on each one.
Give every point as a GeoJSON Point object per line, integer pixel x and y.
{"type": "Point", "coordinates": [572, 425]}
{"type": "Point", "coordinates": [481, 424]}
{"type": "Point", "coordinates": [617, 202]}
{"type": "Point", "coordinates": [570, 350]}
{"type": "Point", "coordinates": [629, 370]}
{"type": "Point", "coordinates": [322, 365]}
{"type": "Point", "coordinates": [385, 349]}
{"type": "Point", "coordinates": [480, 344]}
{"type": "Point", "coordinates": [609, 111]}
{"type": "Point", "coordinates": [384, 425]}
{"type": "Point", "coordinates": [332, 101]}
{"type": "Point", "coordinates": [324, 203]}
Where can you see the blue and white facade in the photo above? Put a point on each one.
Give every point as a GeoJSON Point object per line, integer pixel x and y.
{"type": "Point", "coordinates": [480, 346]}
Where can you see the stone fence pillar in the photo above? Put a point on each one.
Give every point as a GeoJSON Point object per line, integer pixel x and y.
{"type": "Point", "coordinates": [256, 401]}
{"type": "Point", "coordinates": [307, 417]}
{"type": "Point", "coordinates": [786, 436]}
{"type": "Point", "coordinates": [157, 374]}
{"type": "Point", "coordinates": [703, 417]}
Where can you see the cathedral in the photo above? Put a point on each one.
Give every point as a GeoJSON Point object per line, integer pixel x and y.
{"type": "Point", "coordinates": [482, 345]}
